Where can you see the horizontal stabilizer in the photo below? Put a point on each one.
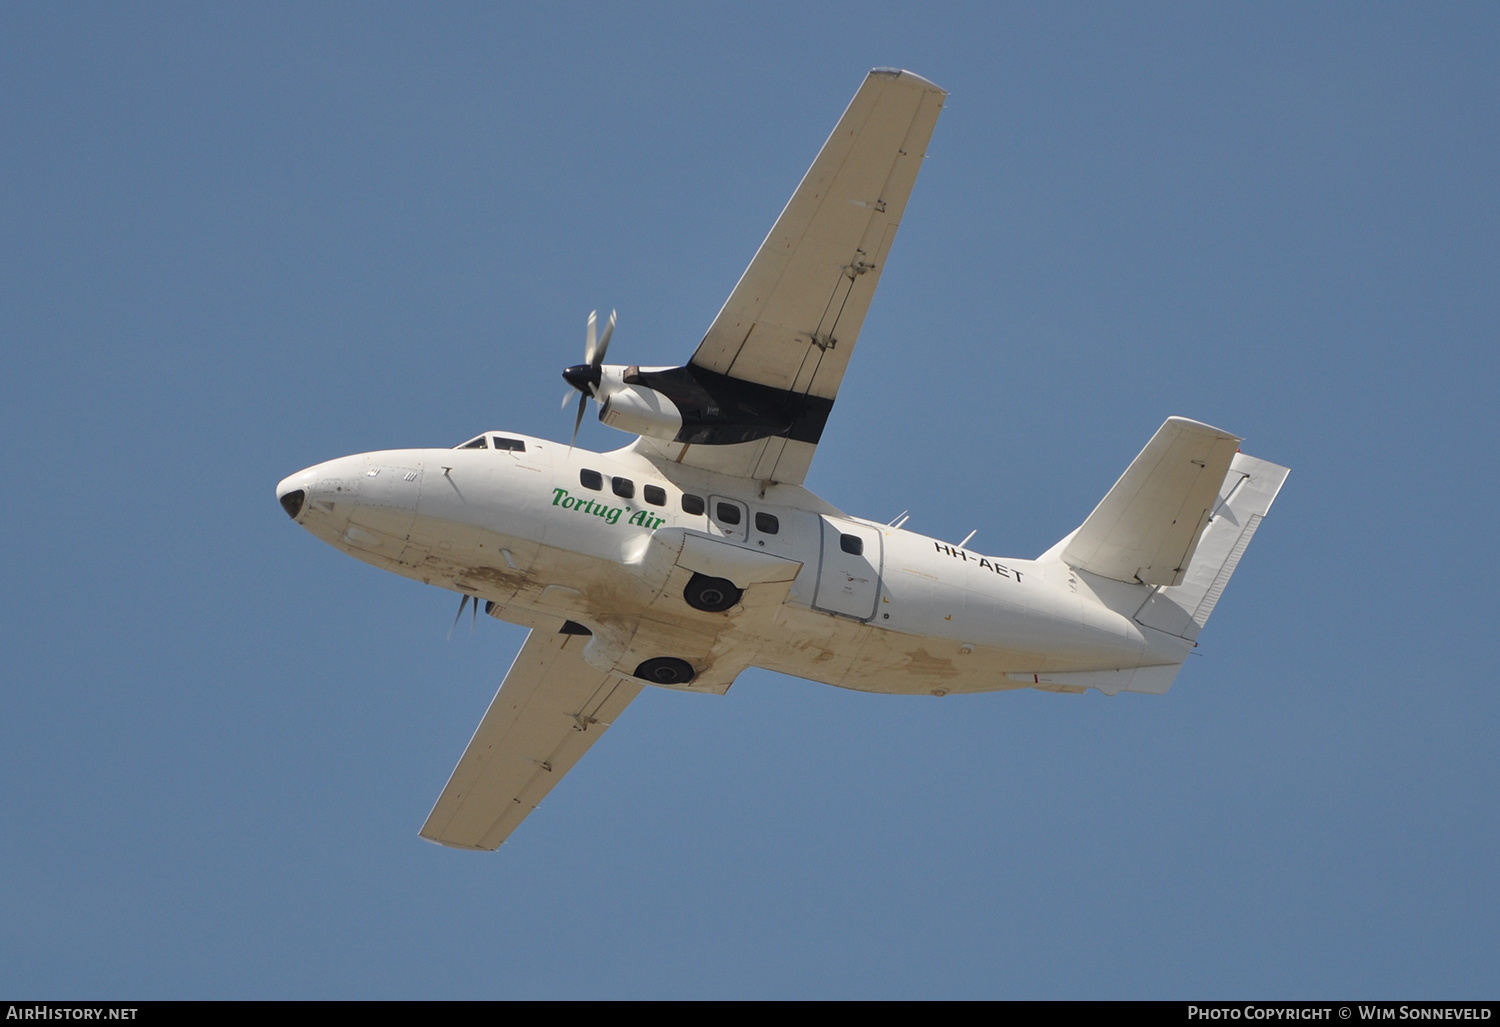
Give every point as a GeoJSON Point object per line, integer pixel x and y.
{"type": "Point", "coordinates": [1147, 527]}
{"type": "Point", "coordinates": [1151, 680]}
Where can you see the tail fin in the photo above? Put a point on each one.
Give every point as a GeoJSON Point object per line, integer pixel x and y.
{"type": "Point", "coordinates": [1146, 528]}
{"type": "Point", "coordinates": [1244, 499]}
{"type": "Point", "coordinates": [1173, 540]}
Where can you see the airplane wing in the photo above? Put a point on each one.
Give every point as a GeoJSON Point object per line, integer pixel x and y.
{"type": "Point", "coordinates": [550, 708]}
{"type": "Point", "coordinates": [792, 321]}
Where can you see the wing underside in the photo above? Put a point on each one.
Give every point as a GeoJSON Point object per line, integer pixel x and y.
{"type": "Point", "coordinates": [792, 321]}
{"type": "Point", "coordinates": [551, 707]}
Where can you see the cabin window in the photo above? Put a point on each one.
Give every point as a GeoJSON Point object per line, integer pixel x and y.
{"type": "Point", "coordinates": [766, 524]}
{"type": "Point", "coordinates": [728, 513]}
{"type": "Point", "coordinates": [478, 443]}
{"type": "Point", "coordinates": [623, 487]}
{"type": "Point", "coordinates": [512, 445]}
{"type": "Point", "coordinates": [656, 495]}
{"type": "Point", "coordinates": [692, 504]}
{"type": "Point", "coordinates": [591, 480]}
{"type": "Point", "coordinates": [852, 544]}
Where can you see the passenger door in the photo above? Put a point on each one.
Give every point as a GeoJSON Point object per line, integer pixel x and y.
{"type": "Point", "coordinates": [851, 559]}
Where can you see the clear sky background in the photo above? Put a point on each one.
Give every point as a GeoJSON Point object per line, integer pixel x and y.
{"type": "Point", "coordinates": [242, 239]}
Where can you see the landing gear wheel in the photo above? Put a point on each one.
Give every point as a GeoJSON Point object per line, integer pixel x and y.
{"type": "Point", "coordinates": [666, 670]}
{"type": "Point", "coordinates": [711, 595]}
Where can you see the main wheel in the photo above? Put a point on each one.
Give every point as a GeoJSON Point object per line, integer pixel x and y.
{"type": "Point", "coordinates": [666, 670]}
{"type": "Point", "coordinates": [712, 595]}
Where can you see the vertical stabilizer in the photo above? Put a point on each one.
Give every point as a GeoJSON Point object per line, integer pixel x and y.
{"type": "Point", "coordinates": [1145, 529]}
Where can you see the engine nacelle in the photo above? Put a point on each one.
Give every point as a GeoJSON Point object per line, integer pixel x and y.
{"type": "Point", "coordinates": [635, 408]}
{"type": "Point", "coordinates": [696, 406]}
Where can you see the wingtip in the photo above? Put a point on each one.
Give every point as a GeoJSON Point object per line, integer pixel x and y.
{"type": "Point", "coordinates": [449, 843]}
{"type": "Point", "coordinates": [915, 78]}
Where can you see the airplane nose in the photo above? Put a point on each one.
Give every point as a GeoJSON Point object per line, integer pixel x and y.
{"type": "Point", "coordinates": [291, 502]}
{"type": "Point", "coordinates": [291, 493]}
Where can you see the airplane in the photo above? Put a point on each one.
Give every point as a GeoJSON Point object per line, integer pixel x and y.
{"type": "Point", "coordinates": [695, 552]}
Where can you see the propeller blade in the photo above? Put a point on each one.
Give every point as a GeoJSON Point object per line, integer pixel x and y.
{"type": "Point", "coordinates": [609, 330]}
{"type": "Point", "coordinates": [585, 377]}
{"type": "Point", "coordinates": [461, 604]}
{"type": "Point", "coordinates": [566, 396]}
{"type": "Point", "coordinates": [473, 615]}
{"type": "Point", "coordinates": [583, 402]}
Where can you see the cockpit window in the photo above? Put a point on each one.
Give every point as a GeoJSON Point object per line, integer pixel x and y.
{"type": "Point", "coordinates": [478, 443]}
{"type": "Point", "coordinates": [511, 445]}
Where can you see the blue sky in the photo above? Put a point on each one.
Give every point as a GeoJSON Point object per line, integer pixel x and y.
{"type": "Point", "coordinates": [241, 240]}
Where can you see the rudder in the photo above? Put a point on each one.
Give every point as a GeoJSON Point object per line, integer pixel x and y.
{"type": "Point", "coordinates": [1244, 499]}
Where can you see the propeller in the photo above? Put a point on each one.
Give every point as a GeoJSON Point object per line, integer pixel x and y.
{"type": "Point", "coordinates": [585, 376]}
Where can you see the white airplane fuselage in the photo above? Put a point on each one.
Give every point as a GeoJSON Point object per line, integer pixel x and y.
{"type": "Point", "coordinates": [904, 614]}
